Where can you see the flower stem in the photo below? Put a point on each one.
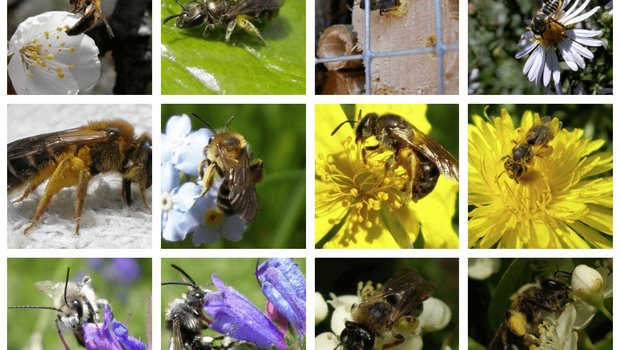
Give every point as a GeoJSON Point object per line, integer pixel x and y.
{"type": "Point", "coordinates": [605, 312]}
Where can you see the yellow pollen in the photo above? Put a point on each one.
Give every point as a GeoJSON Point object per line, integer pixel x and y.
{"type": "Point", "coordinates": [72, 50]}
{"type": "Point", "coordinates": [213, 217]}
{"type": "Point", "coordinates": [553, 35]}
{"type": "Point", "coordinates": [60, 73]}
{"type": "Point", "coordinates": [46, 35]}
{"type": "Point", "coordinates": [58, 29]}
{"type": "Point", "coordinates": [71, 66]}
{"type": "Point", "coordinates": [62, 44]}
{"type": "Point", "coordinates": [67, 27]}
{"type": "Point", "coordinates": [57, 37]}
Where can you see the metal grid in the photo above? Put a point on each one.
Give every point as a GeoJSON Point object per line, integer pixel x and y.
{"type": "Point", "coordinates": [368, 55]}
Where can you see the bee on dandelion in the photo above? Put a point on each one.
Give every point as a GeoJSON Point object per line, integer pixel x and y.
{"type": "Point", "coordinates": [540, 183]}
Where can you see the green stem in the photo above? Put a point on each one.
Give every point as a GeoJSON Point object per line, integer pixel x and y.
{"type": "Point", "coordinates": [604, 311]}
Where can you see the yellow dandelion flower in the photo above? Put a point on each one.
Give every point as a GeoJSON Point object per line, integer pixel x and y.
{"type": "Point", "coordinates": [566, 201]}
{"type": "Point", "coordinates": [357, 206]}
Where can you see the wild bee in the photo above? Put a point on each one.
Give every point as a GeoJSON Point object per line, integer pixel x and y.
{"type": "Point", "coordinates": [544, 10]}
{"type": "Point", "coordinates": [75, 303]}
{"type": "Point", "coordinates": [229, 157]}
{"type": "Point", "coordinates": [534, 143]}
{"type": "Point", "coordinates": [422, 158]}
{"type": "Point", "coordinates": [230, 13]}
{"type": "Point", "coordinates": [185, 319]}
{"type": "Point", "coordinates": [72, 157]}
{"type": "Point", "coordinates": [387, 310]}
{"type": "Point", "coordinates": [530, 304]}
{"type": "Point", "coordinates": [91, 15]}
{"type": "Point", "coordinates": [381, 5]}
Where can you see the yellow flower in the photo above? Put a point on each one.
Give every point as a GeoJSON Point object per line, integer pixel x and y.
{"type": "Point", "coordinates": [566, 201]}
{"type": "Point", "coordinates": [361, 208]}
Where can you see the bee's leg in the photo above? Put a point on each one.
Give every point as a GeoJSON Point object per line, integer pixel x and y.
{"type": "Point", "coordinates": [244, 22]}
{"type": "Point", "coordinates": [62, 338]}
{"type": "Point", "coordinates": [207, 179]}
{"type": "Point", "coordinates": [28, 191]}
{"type": "Point", "coordinates": [208, 28]}
{"type": "Point", "coordinates": [66, 175]}
{"type": "Point", "coordinates": [407, 164]}
{"type": "Point", "coordinates": [369, 148]}
{"type": "Point", "coordinates": [229, 29]}
{"type": "Point", "coordinates": [399, 339]}
{"type": "Point", "coordinates": [143, 195]}
{"type": "Point", "coordinates": [80, 195]}
{"type": "Point", "coordinates": [544, 151]}
{"type": "Point", "coordinates": [258, 172]}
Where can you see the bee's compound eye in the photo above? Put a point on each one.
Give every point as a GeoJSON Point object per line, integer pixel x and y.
{"type": "Point", "coordinates": [356, 337]}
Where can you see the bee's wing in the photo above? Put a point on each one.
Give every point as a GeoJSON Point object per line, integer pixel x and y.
{"type": "Point", "coordinates": [176, 342]}
{"type": "Point", "coordinates": [447, 164]}
{"type": "Point", "coordinates": [408, 289]}
{"type": "Point", "coordinates": [58, 139]}
{"type": "Point", "coordinates": [253, 7]}
{"type": "Point", "coordinates": [242, 195]}
{"type": "Point", "coordinates": [52, 289]}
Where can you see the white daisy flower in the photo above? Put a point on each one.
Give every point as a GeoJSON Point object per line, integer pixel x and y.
{"type": "Point", "coordinates": [45, 60]}
{"type": "Point", "coordinates": [543, 63]}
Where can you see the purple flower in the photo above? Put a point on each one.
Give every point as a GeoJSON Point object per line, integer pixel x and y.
{"type": "Point", "coordinates": [113, 335]}
{"type": "Point", "coordinates": [235, 316]}
{"type": "Point", "coordinates": [285, 286]}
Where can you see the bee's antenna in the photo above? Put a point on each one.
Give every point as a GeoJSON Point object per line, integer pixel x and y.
{"type": "Point", "coordinates": [203, 121]}
{"type": "Point", "coordinates": [171, 17]}
{"type": "Point", "coordinates": [66, 284]}
{"type": "Point", "coordinates": [179, 3]}
{"type": "Point", "coordinates": [228, 122]}
{"type": "Point", "coordinates": [350, 121]}
{"type": "Point", "coordinates": [185, 274]}
{"type": "Point", "coordinates": [179, 283]}
{"type": "Point", "coordinates": [35, 307]}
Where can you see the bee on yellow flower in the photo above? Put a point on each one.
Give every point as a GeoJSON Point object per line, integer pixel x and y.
{"type": "Point", "coordinates": [367, 196]}
{"type": "Point", "coordinates": [560, 197]}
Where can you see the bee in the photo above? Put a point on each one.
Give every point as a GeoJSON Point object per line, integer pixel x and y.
{"type": "Point", "coordinates": [543, 15]}
{"type": "Point", "coordinates": [186, 320]}
{"type": "Point", "coordinates": [91, 15]}
{"type": "Point", "coordinates": [381, 5]}
{"type": "Point", "coordinates": [228, 156]}
{"type": "Point", "coordinates": [422, 158]}
{"type": "Point", "coordinates": [229, 13]}
{"type": "Point", "coordinates": [75, 303]}
{"type": "Point", "coordinates": [530, 304]}
{"type": "Point", "coordinates": [534, 143]}
{"type": "Point", "coordinates": [72, 157]}
{"type": "Point", "coordinates": [387, 310]}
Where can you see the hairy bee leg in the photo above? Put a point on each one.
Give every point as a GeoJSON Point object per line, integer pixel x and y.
{"type": "Point", "coordinates": [258, 172]}
{"type": "Point", "coordinates": [244, 22]}
{"type": "Point", "coordinates": [143, 195]}
{"type": "Point", "coordinates": [399, 340]}
{"type": "Point", "coordinates": [368, 148]}
{"type": "Point", "coordinates": [62, 338]}
{"type": "Point", "coordinates": [80, 195]}
{"type": "Point", "coordinates": [66, 175]}
{"type": "Point", "coordinates": [544, 151]}
{"type": "Point", "coordinates": [229, 29]}
{"type": "Point", "coordinates": [27, 192]}
{"type": "Point", "coordinates": [207, 179]}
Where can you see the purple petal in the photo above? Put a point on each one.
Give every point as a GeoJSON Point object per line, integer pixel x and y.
{"type": "Point", "coordinates": [234, 315]}
{"type": "Point", "coordinates": [128, 342]}
{"type": "Point", "coordinates": [285, 286]}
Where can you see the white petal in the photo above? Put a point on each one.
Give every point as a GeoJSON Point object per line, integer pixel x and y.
{"type": "Point", "coordinates": [326, 341]}
{"type": "Point", "coordinates": [17, 74]}
{"type": "Point", "coordinates": [567, 55]}
{"type": "Point", "coordinates": [320, 308]}
{"type": "Point", "coordinates": [527, 47]}
{"type": "Point", "coordinates": [578, 48]}
{"type": "Point", "coordinates": [571, 14]}
{"type": "Point", "coordinates": [584, 37]}
{"type": "Point", "coordinates": [553, 65]}
{"type": "Point", "coordinates": [535, 73]}
{"type": "Point", "coordinates": [578, 19]}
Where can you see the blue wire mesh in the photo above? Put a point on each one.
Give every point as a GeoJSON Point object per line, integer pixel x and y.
{"type": "Point", "coordinates": [368, 55]}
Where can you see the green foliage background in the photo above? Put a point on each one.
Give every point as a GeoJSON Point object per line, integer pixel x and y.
{"type": "Point", "coordinates": [128, 302]}
{"type": "Point", "coordinates": [492, 298]}
{"type": "Point", "coordinates": [236, 273]}
{"type": "Point", "coordinates": [193, 64]}
{"type": "Point", "coordinates": [494, 31]}
{"type": "Point", "coordinates": [341, 276]}
{"type": "Point", "coordinates": [277, 135]}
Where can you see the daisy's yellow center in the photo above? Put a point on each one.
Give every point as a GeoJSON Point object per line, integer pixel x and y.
{"type": "Point", "coordinates": [213, 217]}
{"type": "Point", "coordinates": [553, 35]}
{"type": "Point", "coordinates": [359, 188]}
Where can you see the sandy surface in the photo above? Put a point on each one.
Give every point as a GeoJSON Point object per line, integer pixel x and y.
{"type": "Point", "coordinates": [106, 222]}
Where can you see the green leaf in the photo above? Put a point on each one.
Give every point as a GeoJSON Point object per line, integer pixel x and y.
{"type": "Point", "coordinates": [514, 277]}
{"type": "Point", "coordinates": [194, 64]}
{"type": "Point", "coordinates": [473, 345]}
